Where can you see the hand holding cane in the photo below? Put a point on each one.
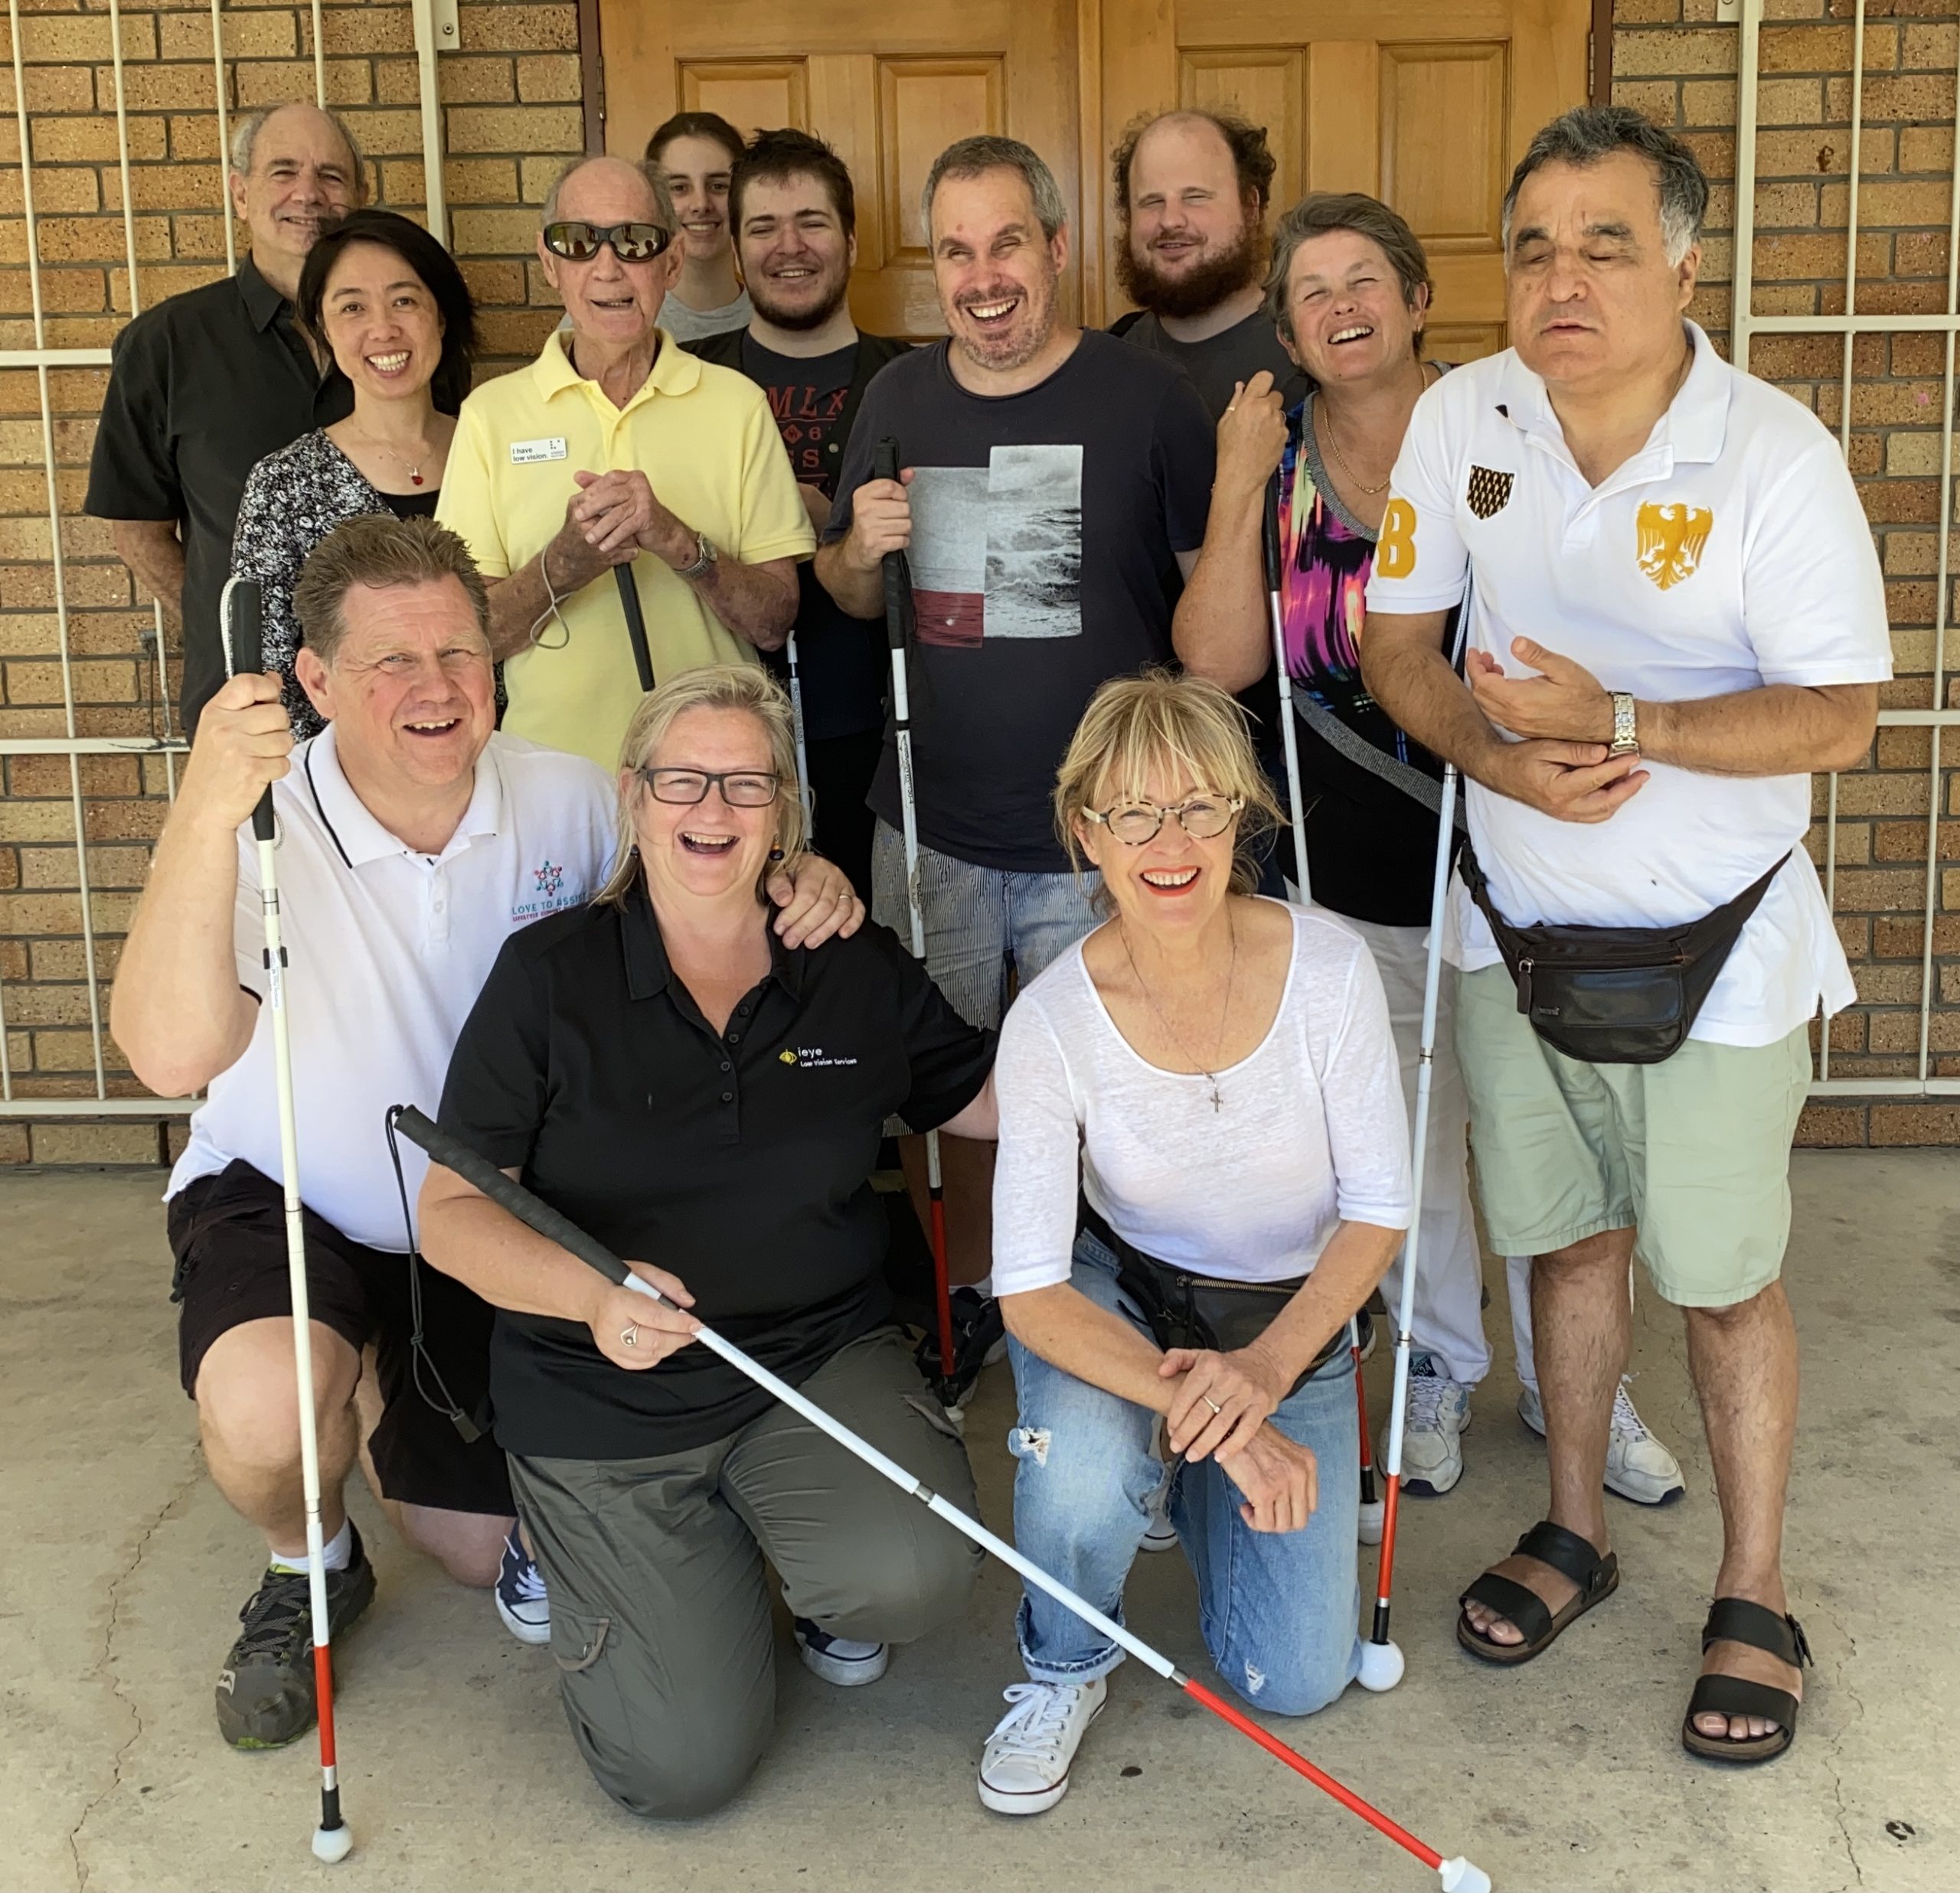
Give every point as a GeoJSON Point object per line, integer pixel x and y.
{"type": "Point", "coordinates": [239, 609]}
{"type": "Point", "coordinates": [1454, 1876]}
{"type": "Point", "coordinates": [1369, 1519]}
{"type": "Point", "coordinates": [898, 613]}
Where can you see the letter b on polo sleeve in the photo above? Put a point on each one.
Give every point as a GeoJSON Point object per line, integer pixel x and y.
{"type": "Point", "coordinates": [1395, 550]}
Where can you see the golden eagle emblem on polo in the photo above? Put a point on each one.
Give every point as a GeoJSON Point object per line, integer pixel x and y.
{"type": "Point", "coordinates": [1670, 540]}
{"type": "Point", "coordinates": [1489, 491]}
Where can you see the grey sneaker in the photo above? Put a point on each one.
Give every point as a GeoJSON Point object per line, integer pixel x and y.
{"type": "Point", "coordinates": [1637, 1466]}
{"type": "Point", "coordinates": [1432, 1436]}
{"type": "Point", "coordinates": [265, 1695]}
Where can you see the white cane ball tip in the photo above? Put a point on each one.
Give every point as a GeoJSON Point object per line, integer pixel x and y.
{"type": "Point", "coordinates": [1381, 1666]}
{"type": "Point", "coordinates": [1460, 1875]}
{"type": "Point", "coordinates": [333, 1844]}
{"type": "Point", "coordinates": [1369, 1530]}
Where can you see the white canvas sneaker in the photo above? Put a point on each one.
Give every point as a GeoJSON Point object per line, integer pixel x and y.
{"type": "Point", "coordinates": [1024, 1769]}
{"type": "Point", "coordinates": [1637, 1466]}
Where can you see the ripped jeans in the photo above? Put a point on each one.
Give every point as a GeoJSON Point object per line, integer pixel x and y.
{"type": "Point", "coordinates": [1278, 1612]}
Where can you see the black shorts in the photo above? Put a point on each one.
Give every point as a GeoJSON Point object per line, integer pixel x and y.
{"type": "Point", "coordinates": [227, 1232]}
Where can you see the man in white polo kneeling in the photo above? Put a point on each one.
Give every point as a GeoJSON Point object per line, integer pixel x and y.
{"type": "Point", "coordinates": [1677, 616]}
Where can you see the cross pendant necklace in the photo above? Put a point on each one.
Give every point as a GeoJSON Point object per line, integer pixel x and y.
{"type": "Point", "coordinates": [1224, 1012]}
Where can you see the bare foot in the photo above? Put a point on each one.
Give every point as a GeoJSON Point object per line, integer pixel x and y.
{"type": "Point", "coordinates": [1552, 1588]}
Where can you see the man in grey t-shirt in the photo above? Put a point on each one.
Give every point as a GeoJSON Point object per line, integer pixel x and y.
{"type": "Point", "coordinates": [1192, 192]}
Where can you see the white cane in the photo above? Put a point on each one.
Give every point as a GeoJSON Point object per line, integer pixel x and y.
{"type": "Point", "coordinates": [239, 613]}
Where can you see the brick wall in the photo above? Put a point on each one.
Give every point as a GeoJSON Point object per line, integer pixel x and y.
{"type": "Point", "coordinates": [1672, 61]}
{"type": "Point", "coordinates": [511, 93]}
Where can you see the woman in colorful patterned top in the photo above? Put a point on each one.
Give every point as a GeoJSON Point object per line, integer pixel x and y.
{"type": "Point", "coordinates": [387, 301]}
{"type": "Point", "coordinates": [1349, 291]}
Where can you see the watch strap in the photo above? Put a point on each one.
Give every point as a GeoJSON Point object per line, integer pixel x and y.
{"type": "Point", "coordinates": [1626, 736]}
{"type": "Point", "coordinates": [704, 556]}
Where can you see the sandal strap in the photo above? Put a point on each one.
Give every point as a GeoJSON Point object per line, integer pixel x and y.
{"type": "Point", "coordinates": [1736, 1695]}
{"type": "Point", "coordinates": [1522, 1606]}
{"type": "Point", "coordinates": [1567, 1553]}
{"type": "Point", "coordinates": [1737, 1620]}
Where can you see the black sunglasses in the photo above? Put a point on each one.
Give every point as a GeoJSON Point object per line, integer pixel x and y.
{"type": "Point", "coordinates": [632, 243]}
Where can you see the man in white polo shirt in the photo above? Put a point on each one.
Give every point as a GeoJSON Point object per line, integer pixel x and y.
{"type": "Point", "coordinates": [1678, 616]}
{"type": "Point", "coordinates": [413, 840]}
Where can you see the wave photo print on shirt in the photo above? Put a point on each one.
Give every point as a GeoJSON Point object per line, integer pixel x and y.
{"type": "Point", "coordinates": [997, 550]}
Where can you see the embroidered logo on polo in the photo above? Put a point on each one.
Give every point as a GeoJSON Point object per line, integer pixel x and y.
{"type": "Point", "coordinates": [550, 878]}
{"type": "Point", "coordinates": [1489, 491]}
{"type": "Point", "coordinates": [812, 1057]}
{"type": "Point", "coordinates": [1671, 539]}
{"type": "Point", "coordinates": [551, 895]}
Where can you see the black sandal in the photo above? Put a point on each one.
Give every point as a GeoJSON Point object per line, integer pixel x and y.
{"type": "Point", "coordinates": [1568, 1554]}
{"type": "Point", "coordinates": [1737, 1620]}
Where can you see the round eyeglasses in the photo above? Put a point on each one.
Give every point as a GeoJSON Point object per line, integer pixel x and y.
{"type": "Point", "coordinates": [632, 243]}
{"type": "Point", "coordinates": [1203, 818]}
{"type": "Point", "coordinates": [740, 788]}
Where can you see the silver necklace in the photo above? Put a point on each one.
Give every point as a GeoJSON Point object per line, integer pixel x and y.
{"type": "Point", "coordinates": [1224, 1013]}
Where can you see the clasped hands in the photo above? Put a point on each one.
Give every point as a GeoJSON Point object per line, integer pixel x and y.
{"type": "Point", "coordinates": [1564, 717]}
{"type": "Point", "coordinates": [610, 518]}
{"type": "Point", "coordinates": [1221, 1409]}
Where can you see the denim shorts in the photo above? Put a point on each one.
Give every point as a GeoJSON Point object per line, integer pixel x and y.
{"type": "Point", "coordinates": [980, 921]}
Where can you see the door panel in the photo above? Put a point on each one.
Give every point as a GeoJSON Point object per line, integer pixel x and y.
{"type": "Point", "coordinates": [889, 88]}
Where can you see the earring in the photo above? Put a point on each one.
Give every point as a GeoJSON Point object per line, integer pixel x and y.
{"type": "Point", "coordinates": [775, 854]}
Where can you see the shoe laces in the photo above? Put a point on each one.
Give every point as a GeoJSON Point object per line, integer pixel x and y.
{"type": "Point", "coordinates": [523, 1581]}
{"type": "Point", "coordinates": [276, 1618]}
{"type": "Point", "coordinates": [1038, 1720]}
{"type": "Point", "coordinates": [1427, 1387]}
{"type": "Point", "coordinates": [1626, 1423]}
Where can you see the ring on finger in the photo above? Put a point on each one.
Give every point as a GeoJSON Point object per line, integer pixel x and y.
{"type": "Point", "coordinates": [1211, 1403]}
{"type": "Point", "coordinates": [629, 1337]}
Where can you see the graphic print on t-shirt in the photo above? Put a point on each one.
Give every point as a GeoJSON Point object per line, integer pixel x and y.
{"type": "Point", "coordinates": [997, 550]}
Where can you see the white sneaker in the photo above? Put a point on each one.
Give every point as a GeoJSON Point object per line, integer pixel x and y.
{"type": "Point", "coordinates": [1637, 1466]}
{"type": "Point", "coordinates": [1432, 1448]}
{"type": "Point", "coordinates": [1024, 1768]}
{"type": "Point", "coordinates": [1159, 1534]}
{"type": "Point", "coordinates": [839, 1659]}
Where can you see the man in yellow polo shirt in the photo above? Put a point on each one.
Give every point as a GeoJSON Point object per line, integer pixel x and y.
{"type": "Point", "coordinates": [614, 446]}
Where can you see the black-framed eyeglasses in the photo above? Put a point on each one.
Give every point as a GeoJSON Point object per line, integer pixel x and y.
{"type": "Point", "coordinates": [1203, 818]}
{"type": "Point", "coordinates": [740, 788]}
{"type": "Point", "coordinates": [632, 243]}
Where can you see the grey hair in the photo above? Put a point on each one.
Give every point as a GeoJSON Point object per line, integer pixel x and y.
{"type": "Point", "coordinates": [1322, 212]}
{"type": "Point", "coordinates": [973, 157]}
{"type": "Point", "coordinates": [663, 198]}
{"type": "Point", "coordinates": [245, 136]}
{"type": "Point", "coordinates": [1587, 133]}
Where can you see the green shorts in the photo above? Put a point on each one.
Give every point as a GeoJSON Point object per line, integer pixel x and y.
{"type": "Point", "coordinates": [1693, 1152]}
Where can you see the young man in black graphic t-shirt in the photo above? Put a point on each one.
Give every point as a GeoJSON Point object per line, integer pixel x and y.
{"type": "Point", "coordinates": [1055, 484]}
{"type": "Point", "coordinates": [791, 203]}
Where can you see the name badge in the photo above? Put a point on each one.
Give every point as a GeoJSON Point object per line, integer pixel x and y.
{"type": "Point", "coordinates": [528, 453]}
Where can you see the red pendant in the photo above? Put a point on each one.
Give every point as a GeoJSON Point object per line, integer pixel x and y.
{"type": "Point", "coordinates": [415, 476]}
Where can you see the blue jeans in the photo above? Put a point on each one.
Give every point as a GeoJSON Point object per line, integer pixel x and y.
{"type": "Point", "coordinates": [1278, 1611]}
{"type": "Point", "coordinates": [977, 920]}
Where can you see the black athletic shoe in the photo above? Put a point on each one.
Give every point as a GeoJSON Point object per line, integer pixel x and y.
{"type": "Point", "coordinates": [265, 1691]}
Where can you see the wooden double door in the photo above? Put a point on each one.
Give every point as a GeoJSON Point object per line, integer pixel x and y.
{"type": "Point", "coordinates": [1425, 103]}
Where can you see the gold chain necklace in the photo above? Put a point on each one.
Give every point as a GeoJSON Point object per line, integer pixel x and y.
{"type": "Point", "coordinates": [1334, 448]}
{"type": "Point", "coordinates": [1225, 1011]}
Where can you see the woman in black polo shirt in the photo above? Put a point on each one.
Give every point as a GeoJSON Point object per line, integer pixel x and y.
{"type": "Point", "coordinates": [660, 1069]}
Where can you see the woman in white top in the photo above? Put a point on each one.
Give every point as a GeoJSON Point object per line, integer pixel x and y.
{"type": "Point", "coordinates": [1206, 1087]}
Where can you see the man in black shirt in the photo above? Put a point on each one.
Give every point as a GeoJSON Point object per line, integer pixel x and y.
{"type": "Point", "coordinates": [794, 216]}
{"type": "Point", "coordinates": [1054, 489]}
{"type": "Point", "coordinates": [1192, 192]}
{"type": "Point", "coordinates": [206, 384]}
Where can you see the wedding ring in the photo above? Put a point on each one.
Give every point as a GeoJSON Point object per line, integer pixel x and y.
{"type": "Point", "coordinates": [1211, 1403]}
{"type": "Point", "coordinates": [629, 1337]}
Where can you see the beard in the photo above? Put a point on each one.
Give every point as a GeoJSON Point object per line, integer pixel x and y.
{"type": "Point", "coordinates": [1203, 286]}
{"type": "Point", "coordinates": [799, 320]}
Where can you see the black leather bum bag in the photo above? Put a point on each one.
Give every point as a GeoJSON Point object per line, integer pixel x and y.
{"type": "Point", "coordinates": [1615, 995]}
{"type": "Point", "coordinates": [1188, 1310]}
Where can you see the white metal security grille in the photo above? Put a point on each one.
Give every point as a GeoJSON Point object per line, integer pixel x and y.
{"type": "Point", "coordinates": [1746, 324]}
{"type": "Point", "coordinates": [435, 27]}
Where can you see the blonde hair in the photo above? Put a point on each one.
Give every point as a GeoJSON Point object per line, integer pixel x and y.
{"type": "Point", "coordinates": [743, 686]}
{"type": "Point", "coordinates": [1161, 721]}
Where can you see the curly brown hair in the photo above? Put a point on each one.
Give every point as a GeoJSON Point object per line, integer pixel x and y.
{"type": "Point", "coordinates": [1252, 158]}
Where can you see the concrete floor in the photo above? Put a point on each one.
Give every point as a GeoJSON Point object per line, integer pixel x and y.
{"type": "Point", "coordinates": [123, 1569]}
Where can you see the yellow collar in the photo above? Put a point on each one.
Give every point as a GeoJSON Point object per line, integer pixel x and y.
{"type": "Point", "coordinates": [674, 372]}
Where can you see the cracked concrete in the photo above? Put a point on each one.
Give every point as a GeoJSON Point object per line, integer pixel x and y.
{"type": "Point", "coordinates": [124, 1572]}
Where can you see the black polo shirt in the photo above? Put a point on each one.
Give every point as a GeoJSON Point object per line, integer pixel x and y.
{"type": "Point", "coordinates": [740, 1162]}
{"type": "Point", "coordinates": [201, 388]}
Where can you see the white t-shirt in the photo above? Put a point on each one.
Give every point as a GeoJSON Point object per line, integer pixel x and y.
{"type": "Point", "coordinates": [387, 950]}
{"type": "Point", "coordinates": [1311, 1132]}
{"type": "Point", "coordinates": [1730, 552]}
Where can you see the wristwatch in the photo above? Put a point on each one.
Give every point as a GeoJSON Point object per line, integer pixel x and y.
{"type": "Point", "coordinates": [1626, 738]}
{"type": "Point", "coordinates": [705, 557]}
